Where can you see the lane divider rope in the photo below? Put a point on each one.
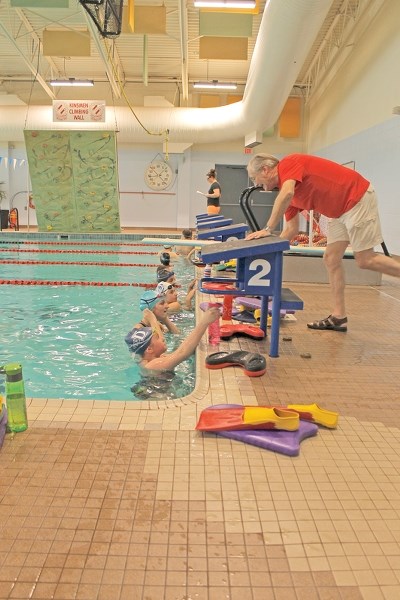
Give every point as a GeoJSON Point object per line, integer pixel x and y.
{"type": "Point", "coordinates": [65, 262]}
{"type": "Point", "coordinates": [85, 283]}
{"type": "Point", "coordinates": [71, 243]}
{"type": "Point", "coordinates": [74, 251]}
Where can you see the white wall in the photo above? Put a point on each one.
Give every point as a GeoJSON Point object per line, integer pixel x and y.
{"type": "Point", "coordinates": [352, 119]}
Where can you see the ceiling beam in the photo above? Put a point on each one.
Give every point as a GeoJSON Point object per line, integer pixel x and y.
{"type": "Point", "coordinates": [105, 50]}
{"type": "Point", "coordinates": [33, 68]}
{"type": "Point", "coordinates": [55, 73]}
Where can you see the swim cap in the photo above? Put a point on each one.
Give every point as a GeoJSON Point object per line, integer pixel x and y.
{"type": "Point", "coordinates": [166, 246]}
{"type": "Point", "coordinates": [149, 299]}
{"type": "Point", "coordinates": [164, 274]}
{"type": "Point", "coordinates": [165, 259]}
{"type": "Point", "coordinates": [162, 288]}
{"type": "Point", "coordinates": [138, 340]}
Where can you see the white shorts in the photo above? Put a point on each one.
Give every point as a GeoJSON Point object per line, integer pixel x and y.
{"type": "Point", "coordinates": [360, 226]}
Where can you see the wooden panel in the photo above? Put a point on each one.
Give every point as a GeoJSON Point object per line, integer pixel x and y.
{"type": "Point", "coordinates": [209, 101]}
{"type": "Point", "coordinates": [150, 19]}
{"type": "Point", "coordinates": [290, 119]}
{"type": "Point", "coordinates": [232, 25]}
{"type": "Point", "coordinates": [66, 43]}
{"type": "Point", "coordinates": [232, 98]}
{"type": "Point", "coordinates": [223, 48]}
{"type": "Point", "coordinates": [128, 18]}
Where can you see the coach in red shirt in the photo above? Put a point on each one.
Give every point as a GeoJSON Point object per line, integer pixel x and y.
{"type": "Point", "coordinates": [311, 183]}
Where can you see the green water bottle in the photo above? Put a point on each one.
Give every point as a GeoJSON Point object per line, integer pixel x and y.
{"type": "Point", "coordinates": [15, 397]}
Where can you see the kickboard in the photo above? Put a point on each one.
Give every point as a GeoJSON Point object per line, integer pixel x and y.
{"type": "Point", "coordinates": [228, 331]}
{"type": "Point", "coordinates": [283, 442]}
{"type": "Point", "coordinates": [255, 303]}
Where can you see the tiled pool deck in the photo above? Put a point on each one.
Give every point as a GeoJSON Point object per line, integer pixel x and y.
{"type": "Point", "coordinates": [124, 500]}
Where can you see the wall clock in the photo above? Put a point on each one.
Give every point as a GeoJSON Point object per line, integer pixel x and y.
{"type": "Point", "coordinates": [158, 175]}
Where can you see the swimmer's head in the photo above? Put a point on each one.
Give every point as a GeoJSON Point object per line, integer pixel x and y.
{"type": "Point", "coordinates": [187, 234]}
{"type": "Point", "coordinates": [149, 299]}
{"type": "Point", "coordinates": [164, 275]}
{"type": "Point", "coordinates": [165, 259]}
{"type": "Point", "coordinates": [138, 340]}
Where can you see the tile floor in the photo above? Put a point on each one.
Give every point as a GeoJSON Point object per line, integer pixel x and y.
{"type": "Point", "coordinates": [116, 500]}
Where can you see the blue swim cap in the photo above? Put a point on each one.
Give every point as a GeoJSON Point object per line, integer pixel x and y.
{"type": "Point", "coordinates": [149, 299]}
{"type": "Point", "coordinates": [138, 340]}
{"type": "Point", "coordinates": [163, 275]}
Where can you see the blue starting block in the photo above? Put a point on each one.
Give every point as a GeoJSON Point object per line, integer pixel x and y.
{"type": "Point", "coordinates": [258, 273]}
{"type": "Point", "coordinates": [224, 234]}
{"type": "Point", "coordinates": [211, 224]}
{"type": "Point", "coordinates": [206, 217]}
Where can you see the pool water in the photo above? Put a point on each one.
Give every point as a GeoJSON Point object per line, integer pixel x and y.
{"type": "Point", "coordinates": [70, 338]}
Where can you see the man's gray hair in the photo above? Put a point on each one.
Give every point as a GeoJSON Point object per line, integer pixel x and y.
{"type": "Point", "coordinates": [259, 161]}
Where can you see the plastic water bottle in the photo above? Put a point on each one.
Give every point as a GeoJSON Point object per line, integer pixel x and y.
{"type": "Point", "coordinates": [207, 271]}
{"type": "Point", "coordinates": [227, 308]}
{"type": "Point", "coordinates": [15, 398]}
{"type": "Point", "coordinates": [214, 332]}
{"type": "Point", "coordinates": [3, 421]}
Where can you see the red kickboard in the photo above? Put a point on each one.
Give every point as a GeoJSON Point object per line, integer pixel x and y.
{"type": "Point", "coordinates": [227, 331]}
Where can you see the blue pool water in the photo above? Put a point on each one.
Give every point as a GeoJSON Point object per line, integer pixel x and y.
{"type": "Point", "coordinates": [70, 338]}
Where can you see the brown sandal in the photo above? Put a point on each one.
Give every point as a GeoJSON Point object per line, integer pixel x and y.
{"type": "Point", "coordinates": [331, 323]}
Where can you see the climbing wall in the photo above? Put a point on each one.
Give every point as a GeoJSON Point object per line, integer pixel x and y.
{"type": "Point", "coordinates": [74, 180]}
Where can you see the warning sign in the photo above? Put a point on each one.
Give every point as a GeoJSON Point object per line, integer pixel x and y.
{"type": "Point", "coordinates": [79, 110]}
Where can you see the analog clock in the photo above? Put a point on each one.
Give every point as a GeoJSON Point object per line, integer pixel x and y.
{"type": "Point", "coordinates": [158, 175]}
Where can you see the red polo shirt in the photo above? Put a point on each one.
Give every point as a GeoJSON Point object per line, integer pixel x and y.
{"type": "Point", "coordinates": [322, 185]}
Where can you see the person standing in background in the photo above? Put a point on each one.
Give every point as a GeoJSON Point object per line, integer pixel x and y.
{"type": "Point", "coordinates": [213, 195]}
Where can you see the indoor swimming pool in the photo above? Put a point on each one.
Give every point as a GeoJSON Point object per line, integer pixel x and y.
{"type": "Point", "coordinates": [66, 308]}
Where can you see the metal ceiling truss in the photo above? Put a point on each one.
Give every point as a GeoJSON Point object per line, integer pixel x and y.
{"type": "Point", "coordinates": [338, 42]}
{"type": "Point", "coordinates": [28, 54]}
{"type": "Point", "coordinates": [109, 55]}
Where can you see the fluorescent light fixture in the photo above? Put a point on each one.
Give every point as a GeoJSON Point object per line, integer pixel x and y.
{"type": "Point", "coordinates": [225, 3]}
{"type": "Point", "coordinates": [214, 85]}
{"type": "Point", "coordinates": [72, 82]}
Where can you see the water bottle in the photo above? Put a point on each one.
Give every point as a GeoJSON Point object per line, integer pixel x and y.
{"type": "Point", "coordinates": [3, 421]}
{"type": "Point", "coordinates": [207, 271]}
{"type": "Point", "coordinates": [15, 398]}
{"type": "Point", "coordinates": [227, 308]}
{"type": "Point", "coordinates": [214, 332]}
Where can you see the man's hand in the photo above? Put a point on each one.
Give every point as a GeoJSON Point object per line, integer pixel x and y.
{"type": "Point", "coordinates": [258, 234]}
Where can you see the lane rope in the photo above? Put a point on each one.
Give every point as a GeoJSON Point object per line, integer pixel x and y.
{"type": "Point", "coordinates": [84, 283]}
{"type": "Point", "coordinates": [75, 251]}
{"type": "Point", "coordinates": [65, 262]}
{"type": "Point", "coordinates": [71, 243]}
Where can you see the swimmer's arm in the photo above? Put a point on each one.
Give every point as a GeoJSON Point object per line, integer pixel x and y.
{"type": "Point", "coordinates": [172, 328]}
{"type": "Point", "coordinates": [151, 319]}
{"type": "Point", "coordinates": [187, 347]}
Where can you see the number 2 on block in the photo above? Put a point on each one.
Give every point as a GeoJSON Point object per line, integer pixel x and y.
{"type": "Point", "coordinates": [263, 268]}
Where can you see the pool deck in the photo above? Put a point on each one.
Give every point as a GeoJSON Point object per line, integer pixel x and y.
{"type": "Point", "coordinates": [125, 500]}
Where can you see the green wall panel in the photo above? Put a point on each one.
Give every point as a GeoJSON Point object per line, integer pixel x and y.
{"type": "Point", "coordinates": [74, 180]}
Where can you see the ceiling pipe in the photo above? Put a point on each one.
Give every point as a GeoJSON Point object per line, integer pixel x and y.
{"type": "Point", "coordinates": [287, 32]}
{"type": "Point", "coordinates": [183, 24]}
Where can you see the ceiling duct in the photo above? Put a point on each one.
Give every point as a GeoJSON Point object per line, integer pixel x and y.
{"type": "Point", "coordinates": [287, 32]}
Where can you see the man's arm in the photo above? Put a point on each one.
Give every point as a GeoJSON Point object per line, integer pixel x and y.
{"type": "Point", "coordinates": [281, 203]}
{"type": "Point", "coordinates": [187, 347]}
{"type": "Point", "coordinates": [291, 228]}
